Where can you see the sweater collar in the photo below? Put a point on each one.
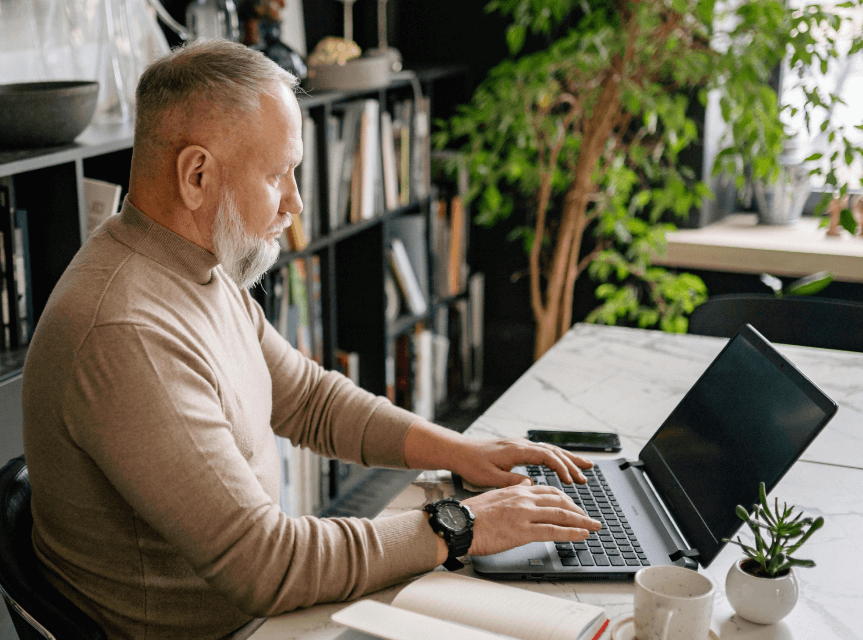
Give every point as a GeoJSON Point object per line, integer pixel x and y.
{"type": "Point", "coordinates": [144, 235]}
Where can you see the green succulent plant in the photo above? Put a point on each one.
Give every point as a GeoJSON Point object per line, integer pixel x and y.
{"type": "Point", "coordinates": [787, 532]}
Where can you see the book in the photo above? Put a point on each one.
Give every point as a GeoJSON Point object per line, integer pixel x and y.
{"type": "Point", "coordinates": [101, 201]}
{"type": "Point", "coordinates": [402, 147]}
{"type": "Point", "coordinates": [300, 302]}
{"type": "Point", "coordinates": [423, 388]}
{"type": "Point", "coordinates": [9, 302]}
{"type": "Point", "coordinates": [476, 295]}
{"type": "Point", "coordinates": [393, 305]}
{"type": "Point", "coordinates": [403, 374]}
{"type": "Point", "coordinates": [457, 271]}
{"type": "Point", "coordinates": [406, 278]}
{"type": "Point", "coordinates": [335, 153]}
{"type": "Point", "coordinates": [449, 605]}
{"type": "Point", "coordinates": [26, 319]}
{"type": "Point", "coordinates": [440, 357]}
{"type": "Point", "coordinates": [295, 235]}
{"type": "Point", "coordinates": [421, 156]}
{"type": "Point", "coordinates": [370, 171]}
{"type": "Point", "coordinates": [343, 166]}
{"type": "Point", "coordinates": [309, 180]}
{"type": "Point", "coordinates": [411, 230]}
{"type": "Point", "coordinates": [390, 162]}
{"type": "Point", "coordinates": [348, 363]}
{"type": "Point", "coordinates": [317, 311]}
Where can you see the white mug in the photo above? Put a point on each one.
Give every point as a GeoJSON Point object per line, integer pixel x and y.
{"type": "Point", "coordinates": [672, 603]}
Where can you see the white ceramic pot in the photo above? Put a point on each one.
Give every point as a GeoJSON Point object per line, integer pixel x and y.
{"type": "Point", "coordinates": [761, 600]}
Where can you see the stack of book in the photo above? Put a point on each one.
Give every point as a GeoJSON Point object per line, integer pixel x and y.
{"type": "Point", "coordinates": [377, 160]}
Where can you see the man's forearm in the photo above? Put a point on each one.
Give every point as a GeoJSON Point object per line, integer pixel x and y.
{"type": "Point", "coordinates": [429, 446]}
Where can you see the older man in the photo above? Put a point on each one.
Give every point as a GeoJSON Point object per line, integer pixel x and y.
{"type": "Point", "coordinates": [154, 384]}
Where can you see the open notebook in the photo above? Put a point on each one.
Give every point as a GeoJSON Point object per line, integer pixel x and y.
{"type": "Point", "coordinates": [448, 605]}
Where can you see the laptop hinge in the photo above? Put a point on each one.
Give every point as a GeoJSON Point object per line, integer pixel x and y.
{"type": "Point", "coordinates": [684, 553]}
{"type": "Point", "coordinates": [638, 464]}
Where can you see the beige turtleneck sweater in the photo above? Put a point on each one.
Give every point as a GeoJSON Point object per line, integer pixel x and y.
{"type": "Point", "coordinates": [152, 389]}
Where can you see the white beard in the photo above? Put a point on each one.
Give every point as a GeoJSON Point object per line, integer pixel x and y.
{"type": "Point", "coordinates": [245, 257]}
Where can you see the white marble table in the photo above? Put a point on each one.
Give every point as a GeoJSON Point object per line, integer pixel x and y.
{"type": "Point", "coordinates": [629, 380]}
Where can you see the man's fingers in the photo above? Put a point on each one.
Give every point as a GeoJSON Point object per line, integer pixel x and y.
{"type": "Point", "coordinates": [567, 466]}
{"type": "Point", "coordinates": [564, 518]}
{"type": "Point", "coordinates": [548, 532]}
{"type": "Point", "coordinates": [550, 499]}
{"type": "Point", "coordinates": [559, 501]}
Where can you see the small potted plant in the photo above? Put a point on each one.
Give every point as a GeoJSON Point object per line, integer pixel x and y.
{"type": "Point", "coordinates": [762, 587]}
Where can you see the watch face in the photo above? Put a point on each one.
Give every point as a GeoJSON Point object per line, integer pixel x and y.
{"type": "Point", "coordinates": [452, 516]}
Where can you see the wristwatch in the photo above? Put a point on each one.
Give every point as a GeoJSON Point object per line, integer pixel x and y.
{"type": "Point", "coordinates": [453, 522]}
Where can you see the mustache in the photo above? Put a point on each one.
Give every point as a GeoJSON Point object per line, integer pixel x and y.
{"type": "Point", "coordinates": [281, 226]}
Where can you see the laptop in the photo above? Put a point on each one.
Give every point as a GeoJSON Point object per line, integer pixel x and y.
{"type": "Point", "coordinates": [746, 420]}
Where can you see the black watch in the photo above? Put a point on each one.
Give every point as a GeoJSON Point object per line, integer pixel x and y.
{"type": "Point", "coordinates": [453, 522]}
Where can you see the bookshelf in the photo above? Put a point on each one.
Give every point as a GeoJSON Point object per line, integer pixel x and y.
{"type": "Point", "coordinates": [344, 266]}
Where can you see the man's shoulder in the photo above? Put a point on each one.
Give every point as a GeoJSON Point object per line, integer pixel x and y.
{"type": "Point", "coordinates": [108, 282]}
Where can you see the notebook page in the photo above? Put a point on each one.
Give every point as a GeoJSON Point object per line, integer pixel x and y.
{"type": "Point", "coordinates": [391, 623]}
{"type": "Point", "coordinates": [500, 608]}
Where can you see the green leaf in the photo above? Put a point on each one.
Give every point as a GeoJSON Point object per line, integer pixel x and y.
{"type": "Point", "coordinates": [515, 35]}
{"type": "Point", "coordinates": [847, 221]}
{"type": "Point", "coordinates": [810, 284]}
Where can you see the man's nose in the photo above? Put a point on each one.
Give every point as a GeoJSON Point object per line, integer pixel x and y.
{"type": "Point", "coordinates": [291, 201]}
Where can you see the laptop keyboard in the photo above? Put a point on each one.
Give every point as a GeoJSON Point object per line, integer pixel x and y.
{"type": "Point", "coordinates": [613, 545]}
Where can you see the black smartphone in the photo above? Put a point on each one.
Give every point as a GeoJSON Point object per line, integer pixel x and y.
{"type": "Point", "coordinates": [577, 440]}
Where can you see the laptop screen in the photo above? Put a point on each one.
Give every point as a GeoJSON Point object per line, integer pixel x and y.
{"type": "Point", "coordinates": [745, 421]}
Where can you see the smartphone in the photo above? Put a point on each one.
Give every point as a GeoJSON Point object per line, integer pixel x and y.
{"type": "Point", "coordinates": [577, 440]}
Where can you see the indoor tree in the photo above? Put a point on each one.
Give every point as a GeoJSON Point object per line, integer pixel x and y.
{"type": "Point", "coordinates": [582, 138]}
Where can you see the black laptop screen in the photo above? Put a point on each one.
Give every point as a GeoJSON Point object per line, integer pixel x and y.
{"type": "Point", "coordinates": [746, 420]}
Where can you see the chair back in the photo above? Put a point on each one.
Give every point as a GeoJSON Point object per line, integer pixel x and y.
{"type": "Point", "coordinates": [801, 320]}
{"type": "Point", "coordinates": [37, 609]}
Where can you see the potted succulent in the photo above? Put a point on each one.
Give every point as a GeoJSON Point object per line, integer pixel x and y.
{"type": "Point", "coordinates": [762, 587]}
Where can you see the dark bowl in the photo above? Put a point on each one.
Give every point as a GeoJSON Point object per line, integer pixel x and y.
{"type": "Point", "coordinates": [41, 114]}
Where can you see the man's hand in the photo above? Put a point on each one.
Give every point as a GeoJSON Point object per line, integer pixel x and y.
{"type": "Point", "coordinates": [516, 515]}
{"type": "Point", "coordinates": [488, 462]}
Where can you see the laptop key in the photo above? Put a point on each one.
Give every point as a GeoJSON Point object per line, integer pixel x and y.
{"type": "Point", "coordinates": [585, 558]}
{"type": "Point", "coordinates": [553, 482]}
{"type": "Point", "coordinates": [617, 561]}
{"type": "Point", "coordinates": [579, 546]}
{"type": "Point", "coordinates": [600, 560]}
{"type": "Point", "coordinates": [569, 562]}
{"type": "Point", "coordinates": [633, 562]}
{"type": "Point", "coordinates": [566, 553]}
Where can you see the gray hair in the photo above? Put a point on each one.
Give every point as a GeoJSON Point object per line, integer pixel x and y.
{"type": "Point", "coordinates": [227, 76]}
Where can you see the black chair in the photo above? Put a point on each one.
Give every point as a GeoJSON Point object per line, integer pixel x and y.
{"type": "Point", "coordinates": [801, 320]}
{"type": "Point", "coordinates": [37, 609]}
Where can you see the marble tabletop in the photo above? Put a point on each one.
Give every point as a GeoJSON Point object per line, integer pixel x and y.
{"type": "Point", "coordinates": [628, 381]}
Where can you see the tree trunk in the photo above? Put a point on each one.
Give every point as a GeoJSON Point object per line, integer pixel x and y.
{"type": "Point", "coordinates": [554, 316]}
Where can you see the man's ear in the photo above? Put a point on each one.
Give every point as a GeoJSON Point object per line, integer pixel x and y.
{"type": "Point", "coordinates": [195, 174]}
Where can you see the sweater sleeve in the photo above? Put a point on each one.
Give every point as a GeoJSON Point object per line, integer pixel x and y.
{"type": "Point", "coordinates": [146, 409]}
{"type": "Point", "coordinates": [324, 410]}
